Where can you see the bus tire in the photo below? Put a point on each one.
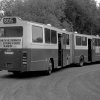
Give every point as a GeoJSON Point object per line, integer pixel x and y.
{"type": "Point", "coordinates": [50, 67]}
{"type": "Point", "coordinates": [81, 61]}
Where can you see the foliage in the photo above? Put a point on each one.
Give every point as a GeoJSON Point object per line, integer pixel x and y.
{"type": "Point", "coordinates": [82, 16]}
{"type": "Point", "coordinates": [82, 13]}
{"type": "Point", "coordinates": [43, 11]}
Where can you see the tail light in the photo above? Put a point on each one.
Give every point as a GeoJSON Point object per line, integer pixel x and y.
{"type": "Point", "coordinates": [24, 58]}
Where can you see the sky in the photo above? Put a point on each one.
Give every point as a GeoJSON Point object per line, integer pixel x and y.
{"type": "Point", "coordinates": [98, 1]}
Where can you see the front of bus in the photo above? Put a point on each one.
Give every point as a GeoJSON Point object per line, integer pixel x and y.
{"type": "Point", "coordinates": [11, 38]}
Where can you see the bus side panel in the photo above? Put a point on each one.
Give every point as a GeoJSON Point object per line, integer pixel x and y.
{"type": "Point", "coordinates": [97, 57]}
{"type": "Point", "coordinates": [78, 53]}
{"type": "Point", "coordinates": [40, 59]}
{"type": "Point", "coordinates": [95, 50]}
{"type": "Point", "coordinates": [96, 54]}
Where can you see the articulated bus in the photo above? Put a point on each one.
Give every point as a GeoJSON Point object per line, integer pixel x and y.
{"type": "Point", "coordinates": [86, 49]}
{"type": "Point", "coordinates": [29, 46]}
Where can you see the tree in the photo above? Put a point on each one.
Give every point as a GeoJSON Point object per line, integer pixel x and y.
{"type": "Point", "coordinates": [82, 14]}
{"type": "Point", "coordinates": [43, 11]}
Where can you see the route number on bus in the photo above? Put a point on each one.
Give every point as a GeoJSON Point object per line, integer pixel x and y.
{"type": "Point", "coordinates": [9, 20]}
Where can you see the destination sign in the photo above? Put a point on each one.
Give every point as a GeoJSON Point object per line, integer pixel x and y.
{"type": "Point", "coordinates": [9, 20]}
{"type": "Point", "coordinates": [10, 43]}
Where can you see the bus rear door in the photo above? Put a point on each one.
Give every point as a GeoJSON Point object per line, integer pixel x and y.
{"type": "Point", "coordinates": [89, 50]}
{"type": "Point", "coordinates": [60, 53]}
{"type": "Point", "coordinates": [64, 51]}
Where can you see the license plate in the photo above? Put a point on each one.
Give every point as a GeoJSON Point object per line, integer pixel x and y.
{"type": "Point", "coordinates": [9, 53]}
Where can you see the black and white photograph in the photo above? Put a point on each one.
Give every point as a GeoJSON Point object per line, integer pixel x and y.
{"type": "Point", "coordinates": [49, 49]}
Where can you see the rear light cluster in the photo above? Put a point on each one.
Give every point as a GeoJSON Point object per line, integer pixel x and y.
{"type": "Point", "coordinates": [24, 58]}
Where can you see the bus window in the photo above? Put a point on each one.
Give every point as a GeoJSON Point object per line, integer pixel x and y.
{"type": "Point", "coordinates": [67, 39]}
{"type": "Point", "coordinates": [53, 37]}
{"type": "Point", "coordinates": [37, 34]}
{"type": "Point", "coordinates": [11, 31]}
{"type": "Point", "coordinates": [78, 40]}
{"type": "Point", "coordinates": [98, 42]}
{"type": "Point", "coordinates": [47, 35]}
{"type": "Point", "coordinates": [64, 38]}
{"type": "Point", "coordinates": [84, 41]}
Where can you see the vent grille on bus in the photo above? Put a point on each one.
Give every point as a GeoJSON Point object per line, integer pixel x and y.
{"type": "Point", "coordinates": [24, 58]}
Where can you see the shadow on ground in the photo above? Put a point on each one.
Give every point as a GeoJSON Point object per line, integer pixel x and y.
{"type": "Point", "coordinates": [25, 75]}
{"type": "Point", "coordinates": [37, 74]}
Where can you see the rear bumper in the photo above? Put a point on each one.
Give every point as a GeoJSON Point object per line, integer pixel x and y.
{"type": "Point", "coordinates": [13, 67]}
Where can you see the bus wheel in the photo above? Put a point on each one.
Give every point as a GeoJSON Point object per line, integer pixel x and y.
{"type": "Point", "coordinates": [49, 71]}
{"type": "Point", "coordinates": [81, 62]}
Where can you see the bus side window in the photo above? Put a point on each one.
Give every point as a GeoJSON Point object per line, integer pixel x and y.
{"type": "Point", "coordinates": [84, 41]}
{"type": "Point", "coordinates": [64, 38]}
{"type": "Point", "coordinates": [96, 42]}
{"type": "Point", "coordinates": [67, 39]}
{"type": "Point", "coordinates": [47, 35]}
{"type": "Point", "coordinates": [78, 40]}
{"type": "Point", "coordinates": [37, 34]}
{"type": "Point", "coordinates": [53, 37]}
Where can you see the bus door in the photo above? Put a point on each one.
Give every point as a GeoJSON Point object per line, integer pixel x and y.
{"type": "Point", "coordinates": [93, 50]}
{"type": "Point", "coordinates": [60, 54]}
{"type": "Point", "coordinates": [64, 49]}
{"type": "Point", "coordinates": [89, 50]}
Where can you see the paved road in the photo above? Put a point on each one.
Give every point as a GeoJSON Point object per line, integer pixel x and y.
{"type": "Point", "coordinates": [75, 83]}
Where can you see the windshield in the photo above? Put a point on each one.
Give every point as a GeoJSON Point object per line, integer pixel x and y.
{"type": "Point", "coordinates": [11, 31]}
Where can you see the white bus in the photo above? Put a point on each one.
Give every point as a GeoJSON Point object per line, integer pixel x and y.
{"type": "Point", "coordinates": [86, 49]}
{"type": "Point", "coordinates": [30, 46]}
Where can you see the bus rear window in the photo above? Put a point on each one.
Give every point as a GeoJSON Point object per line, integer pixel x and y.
{"type": "Point", "coordinates": [11, 31]}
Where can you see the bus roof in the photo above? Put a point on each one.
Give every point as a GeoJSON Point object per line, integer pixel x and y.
{"type": "Point", "coordinates": [13, 20]}
{"type": "Point", "coordinates": [9, 21]}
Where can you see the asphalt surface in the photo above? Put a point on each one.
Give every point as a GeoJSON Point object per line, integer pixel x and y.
{"type": "Point", "coordinates": [72, 83]}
